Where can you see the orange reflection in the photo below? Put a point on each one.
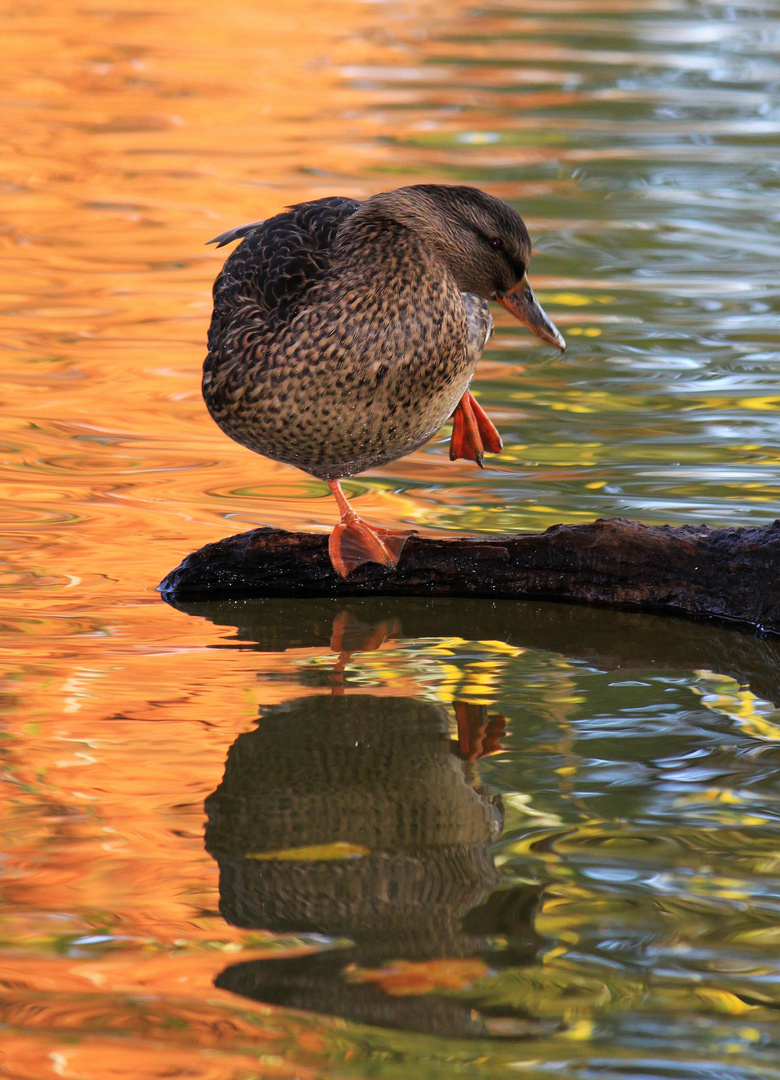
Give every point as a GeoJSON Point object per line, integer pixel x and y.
{"type": "Point", "coordinates": [136, 135]}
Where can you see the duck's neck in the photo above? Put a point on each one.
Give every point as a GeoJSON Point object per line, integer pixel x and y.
{"type": "Point", "coordinates": [384, 262]}
{"type": "Point", "coordinates": [409, 207]}
{"type": "Point", "coordinates": [423, 214]}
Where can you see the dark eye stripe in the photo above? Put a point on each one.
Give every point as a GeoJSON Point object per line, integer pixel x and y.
{"type": "Point", "coordinates": [519, 268]}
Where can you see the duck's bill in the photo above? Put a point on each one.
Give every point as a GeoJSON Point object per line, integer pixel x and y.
{"type": "Point", "coordinates": [522, 303]}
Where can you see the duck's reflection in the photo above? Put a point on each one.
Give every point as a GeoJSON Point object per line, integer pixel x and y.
{"type": "Point", "coordinates": [360, 817]}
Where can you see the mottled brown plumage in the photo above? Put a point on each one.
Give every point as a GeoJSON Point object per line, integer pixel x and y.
{"type": "Point", "coordinates": [345, 334]}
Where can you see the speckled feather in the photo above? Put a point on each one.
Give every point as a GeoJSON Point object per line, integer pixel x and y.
{"type": "Point", "coordinates": [340, 338]}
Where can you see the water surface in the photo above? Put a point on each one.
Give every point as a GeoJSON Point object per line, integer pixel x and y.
{"type": "Point", "coordinates": [550, 848]}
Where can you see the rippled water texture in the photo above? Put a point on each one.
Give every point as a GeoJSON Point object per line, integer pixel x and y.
{"type": "Point", "coordinates": [441, 839]}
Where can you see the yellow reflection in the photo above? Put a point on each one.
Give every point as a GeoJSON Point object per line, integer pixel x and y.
{"type": "Point", "coordinates": [758, 718]}
{"type": "Point", "coordinates": [339, 849]}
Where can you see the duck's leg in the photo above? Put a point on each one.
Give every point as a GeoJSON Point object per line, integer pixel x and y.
{"type": "Point", "coordinates": [355, 542]}
{"type": "Point", "coordinates": [472, 432]}
{"type": "Point", "coordinates": [349, 636]}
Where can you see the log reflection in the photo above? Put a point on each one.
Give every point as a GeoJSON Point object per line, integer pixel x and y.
{"type": "Point", "coordinates": [614, 640]}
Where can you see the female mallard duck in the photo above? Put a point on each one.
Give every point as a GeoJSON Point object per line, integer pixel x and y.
{"type": "Point", "coordinates": [345, 334]}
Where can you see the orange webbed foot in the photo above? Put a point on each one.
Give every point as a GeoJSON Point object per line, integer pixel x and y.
{"type": "Point", "coordinates": [479, 733]}
{"type": "Point", "coordinates": [473, 432]}
{"type": "Point", "coordinates": [354, 541]}
{"type": "Point", "coordinates": [349, 636]}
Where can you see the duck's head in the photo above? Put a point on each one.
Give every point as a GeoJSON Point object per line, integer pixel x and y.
{"type": "Point", "coordinates": [482, 240]}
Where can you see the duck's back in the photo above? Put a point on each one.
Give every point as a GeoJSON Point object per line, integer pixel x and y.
{"type": "Point", "coordinates": [277, 261]}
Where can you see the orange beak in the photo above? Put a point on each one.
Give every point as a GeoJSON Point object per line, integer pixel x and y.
{"type": "Point", "coordinates": [522, 303]}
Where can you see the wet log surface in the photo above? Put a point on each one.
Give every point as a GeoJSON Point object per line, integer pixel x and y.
{"type": "Point", "coordinates": [731, 574]}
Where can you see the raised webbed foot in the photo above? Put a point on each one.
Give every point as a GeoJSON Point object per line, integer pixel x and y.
{"type": "Point", "coordinates": [473, 432]}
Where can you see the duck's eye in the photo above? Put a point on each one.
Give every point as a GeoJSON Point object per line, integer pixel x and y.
{"type": "Point", "coordinates": [497, 243]}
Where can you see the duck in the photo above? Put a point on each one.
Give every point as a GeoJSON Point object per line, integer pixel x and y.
{"type": "Point", "coordinates": [345, 334]}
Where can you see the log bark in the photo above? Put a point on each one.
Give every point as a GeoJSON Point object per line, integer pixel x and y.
{"type": "Point", "coordinates": [728, 574]}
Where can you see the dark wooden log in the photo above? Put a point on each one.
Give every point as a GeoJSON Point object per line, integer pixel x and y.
{"type": "Point", "coordinates": [729, 574]}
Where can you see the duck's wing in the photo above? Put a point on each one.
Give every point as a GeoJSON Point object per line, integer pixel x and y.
{"type": "Point", "coordinates": [479, 321]}
{"type": "Point", "coordinates": [278, 261]}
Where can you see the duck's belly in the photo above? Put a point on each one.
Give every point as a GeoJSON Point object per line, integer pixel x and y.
{"type": "Point", "coordinates": [333, 424]}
